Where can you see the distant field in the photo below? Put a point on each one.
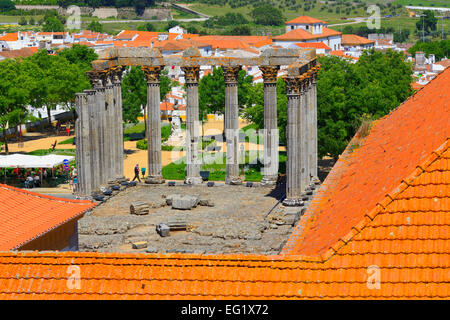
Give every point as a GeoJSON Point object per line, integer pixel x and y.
{"type": "Point", "coordinates": [4, 18]}
{"type": "Point", "coordinates": [425, 3]}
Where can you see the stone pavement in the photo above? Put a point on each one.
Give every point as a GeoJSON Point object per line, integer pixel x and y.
{"type": "Point", "coordinates": [235, 224]}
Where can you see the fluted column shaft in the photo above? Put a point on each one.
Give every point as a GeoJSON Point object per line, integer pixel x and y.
{"type": "Point", "coordinates": [153, 125]}
{"type": "Point", "coordinates": [271, 136]}
{"type": "Point", "coordinates": [314, 144]}
{"type": "Point", "coordinates": [232, 124]}
{"type": "Point", "coordinates": [118, 123]}
{"type": "Point", "coordinates": [83, 152]}
{"type": "Point", "coordinates": [303, 133]}
{"type": "Point", "coordinates": [293, 176]}
{"type": "Point", "coordinates": [192, 126]}
{"type": "Point", "coordinates": [109, 128]}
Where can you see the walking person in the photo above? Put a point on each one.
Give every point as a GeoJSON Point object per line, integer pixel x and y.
{"type": "Point", "coordinates": [136, 173]}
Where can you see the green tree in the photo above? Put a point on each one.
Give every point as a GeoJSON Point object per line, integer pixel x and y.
{"type": "Point", "coordinates": [440, 49]}
{"type": "Point", "coordinates": [22, 21]}
{"type": "Point", "coordinates": [52, 24]}
{"type": "Point", "coordinates": [267, 15]}
{"type": "Point", "coordinates": [146, 27]}
{"type": "Point", "coordinates": [211, 91]}
{"type": "Point", "coordinates": [95, 26]}
{"type": "Point", "coordinates": [31, 22]}
{"type": "Point", "coordinates": [14, 95]}
{"type": "Point", "coordinates": [6, 5]}
{"type": "Point", "coordinates": [57, 81]}
{"type": "Point", "coordinates": [80, 55]}
{"type": "Point", "coordinates": [428, 22]}
{"type": "Point", "coordinates": [134, 93]}
{"type": "Point", "coordinates": [242, 30]}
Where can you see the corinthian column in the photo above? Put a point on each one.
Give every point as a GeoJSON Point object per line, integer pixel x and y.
{"type": "Point", "coordinates": [232, 124]}
{"type": "Point", "coordinates": [118, 122]}
{"type": "Point", "coordinates": [96, 103]}
{"type": "Point", "coordinates": [191, 75]}
{"type": "Point", "coordinates": [313, 144]}
{"type": "Point", "coordinates": [83, 151]}
{"type": "Point", "coordinates": [303, 134]}
{"type": "Point", "coordinates": [109, 139]}
{"type": "Point", "coordinates": [293, 169]}
{"type": "Point", "coordinates": [153, 125]}
{"type": "Point", "coordinates": [271, 137]}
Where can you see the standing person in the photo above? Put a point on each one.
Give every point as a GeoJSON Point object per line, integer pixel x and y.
{"type": "Point", "coordinates": [74, 183]}
{"type": "Point", "coordinates": [136, 173]}
{"type": "Point", "coordinates": [143, 172]}
{"type": "Point", "coordinates": [68, 129]}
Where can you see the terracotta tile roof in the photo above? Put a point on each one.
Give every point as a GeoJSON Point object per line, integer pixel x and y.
{"type": "Point", "coordinates": [317, 45]}
{"type": "Point", "coordinates": [365, 180]}
{"type": "Point", "coordinates": [9, 37]}
{"type": "Point", "coordinates": [180, 45]}
{"type": "Point", "coordinates": [305, 20]}
{"type": "Point", "coordinates": [300, 34]}
{"type": "Point", "coordinates": [355, 40]}
{"type": "Point", "coordinates": [445, 63]}
{"type": "Point", "coordinates": [235, 42]}
{"type": "Point", "coordinates": [24, 52]}
{"type": "Point", "coordinates": [26, 215]}
{"type": "Point", "coordinates": [384, 206]}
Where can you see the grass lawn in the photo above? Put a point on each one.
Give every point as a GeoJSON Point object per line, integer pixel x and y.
{"type": "Point", "coordinates": [62, 152]}
{"type": "Point", "coordinates": [6, 18]}
{"type": "Point", "coordinates": [68, 141]}
{"type": "Point", "coordinates": [253, 172]}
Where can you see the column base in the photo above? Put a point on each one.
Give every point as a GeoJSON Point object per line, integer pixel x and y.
{"type": "Point", "coordinates": [233, 180]}
{"type": "Point", "coordinates": [269, 181]}
{"type": "Point", "coordinates": [316, 181]}
{"type": "Point", "coordinates": [155, 180]}
{"type": "Point", "coordinates": [293, 202]}
{"type": "Point", "coordinates": [193, 180]}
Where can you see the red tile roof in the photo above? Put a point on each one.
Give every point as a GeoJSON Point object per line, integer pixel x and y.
{"type": "Point", "coordinates": [21, 53]}
{"type": "Point", "coordinates": [26, 215]}
{"type": "Point", "coordinates": [305, 20]}
{"type": "Point", "coordinates": [9, 37]}
{"type": "Point", "coordinates": [363, 180]}
{"type": "Point", "coordinates": [300, 34]}
{"type": "Point", "coordinates": [317, 45]}
{"type": "Point", "coordinates": [355, 40]}
{"type": "Point", "coordinates": [385, 207]}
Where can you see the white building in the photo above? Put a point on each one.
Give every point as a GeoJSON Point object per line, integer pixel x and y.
{"type": "Point", "coordinates": [307, 29]}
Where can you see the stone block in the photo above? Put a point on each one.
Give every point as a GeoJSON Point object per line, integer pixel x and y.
{"type": "Point", "coordinates": [139, 244]}
{"type": "Point", "coordinates": [163, 230]}
{"type": "Point", "coordinates": [186, 202]}
{"type": "Point", "coordinates": [206, 203]}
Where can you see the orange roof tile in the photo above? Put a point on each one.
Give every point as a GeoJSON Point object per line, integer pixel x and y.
{"type": "Point", "coordinates": [360, 180]}
{"type": "Point", "coordinates": [305, 20]}
{"type": "Point", "coordinates": [317, 45]}
{"type": "Point", "coordinates": [26, 215]}
{"type": "Point", "coordinates": [9, 37]}
{"type": "Point", "coordinates": [355, 40]}
{"type": "Point", "coordinates": [300, 34]}
{"type": "Point", "coordinates": [383, 208]}
{"type": "Point", "coordinates": [24, 52]}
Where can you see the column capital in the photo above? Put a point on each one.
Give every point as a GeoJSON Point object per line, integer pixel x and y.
{"type": "Point", "coordinates": [191, 74]}
{"type": "Point", "coordinates": [116, 74]}
{"type": "Point", "coordinates": [231, 74]}
{"type": "Point", "coordinates": [315, 70]}
{"type": "Point", "coordinates": [306, 82]}
{"type": "Point", "coordinates": [152, 73]}
{"type": "Point", "coordinates": [293, 85]}
{"type": "Point", "coordinates": [269, 73]}
{"type": "Point", "coordinates": [98, 78]}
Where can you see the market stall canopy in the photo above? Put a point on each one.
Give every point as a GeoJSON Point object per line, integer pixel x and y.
{"type": "Point", "coordinates": [28, 161]}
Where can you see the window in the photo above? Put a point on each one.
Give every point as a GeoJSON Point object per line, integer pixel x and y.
{"type": "Point", "coordinates": [292, 27]}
